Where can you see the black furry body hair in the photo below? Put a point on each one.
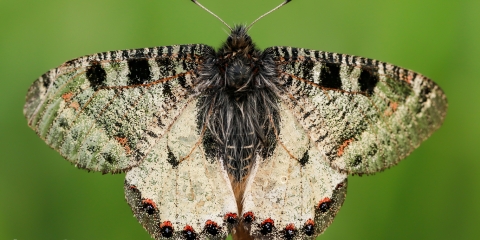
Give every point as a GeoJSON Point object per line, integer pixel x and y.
{"type": "Point", "coordinates": [238, 107]}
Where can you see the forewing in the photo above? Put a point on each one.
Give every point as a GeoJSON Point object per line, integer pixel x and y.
{"type": "Point", "coordinates": [103, 112]}
{"type": "Point", "coordinates": [176, 192]}
{"type": "Point", "coordinates": [295, 193]}
{"type": "Point", "coordinates": [362, 114]}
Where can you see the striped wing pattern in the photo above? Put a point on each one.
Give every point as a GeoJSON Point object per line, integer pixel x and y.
{"type": "Point", "coordinates": [362, 114]}
{"type": "Point", "coordinates": [104, 112]}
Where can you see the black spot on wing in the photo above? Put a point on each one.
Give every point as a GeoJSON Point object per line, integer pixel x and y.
{"type": "Point", "coordinates": [96, 75]}
{"type": "Point", "coordinates": [139, 71]}
{"type": "Point", "coordinates": [167, 90]}
{"type": "Point", "coordinates": [294, 54]}
{"type": "Point", "coordinates": [330, 76]}
{"type": "Point", "coordinates": [286, 55]}
{"type": "Point", "coordinates": [171, 158]}
{"type": "Point", "coordinates": [307, 67]}
{"type": "Point", "coordinates": [368, 80]}
{"type": "Point", "coordinates": [304, 159]}
{"type": "Point", "coordinates": [356, 161]}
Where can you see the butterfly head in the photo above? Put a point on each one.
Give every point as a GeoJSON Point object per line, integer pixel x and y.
{"type": "Point", "coordinates": [239, 61]}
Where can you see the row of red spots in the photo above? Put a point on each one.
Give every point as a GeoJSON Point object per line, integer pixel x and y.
{"type": "Point", "coordinates": [166, 229]}
{"type": "Point", "coordinates": [290, 231]}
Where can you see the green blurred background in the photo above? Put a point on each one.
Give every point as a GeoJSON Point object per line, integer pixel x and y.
{"type": "Point", "coordinates": [434, 194]}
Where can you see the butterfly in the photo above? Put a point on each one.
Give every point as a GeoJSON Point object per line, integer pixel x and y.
{"type": "Point", "coordinates": [238, 141]}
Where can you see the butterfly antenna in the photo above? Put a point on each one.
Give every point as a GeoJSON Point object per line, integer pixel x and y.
{"type": "Point", "coordinates": [206, 9]}
{"type": "Point", "coordinates": [277, 7]}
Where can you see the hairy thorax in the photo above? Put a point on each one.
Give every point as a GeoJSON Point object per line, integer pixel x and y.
{"type": "Point", "coordinates": [238, 109]}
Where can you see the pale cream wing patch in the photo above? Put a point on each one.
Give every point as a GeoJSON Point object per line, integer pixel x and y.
{"type": "Point", "coordinates": [295, 193]}
{"type": "Point", "coordinates": [177, 193]}
{"type": "Point", "coordinates": [366, 115]}
{"type": "Point", "coordinates": [102, 112]}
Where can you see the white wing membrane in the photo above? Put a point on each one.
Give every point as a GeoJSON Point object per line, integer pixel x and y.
{"type": "Point", "coordinates": [288, 187]}
{"type": "Point", "coordinates": [185, 187]}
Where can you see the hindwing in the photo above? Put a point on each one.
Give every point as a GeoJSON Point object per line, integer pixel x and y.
{"type": "Point", "coordinates": [295, 193]}
{"type": "Point", "coordinates": [177, 192]}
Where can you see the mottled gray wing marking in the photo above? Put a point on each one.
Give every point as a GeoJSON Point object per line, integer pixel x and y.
{"type": "Point", "coordinates": [296, 185]}
{"type": "Point", "coordinates": [177, 186]}
{"type": "Point", "coordinates": [103, 112]}
{"type": "Point", "coordinates": [362, 114]}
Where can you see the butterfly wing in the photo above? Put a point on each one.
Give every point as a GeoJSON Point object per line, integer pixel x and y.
{"type": "Point", "coordinates": [176, 192]}
{"type": "Point", "coordinates": [362, 114]}
{"type": "Point", "coordinates": [104, 112]}
{"type": "Point", "coordinates": [294, 194]}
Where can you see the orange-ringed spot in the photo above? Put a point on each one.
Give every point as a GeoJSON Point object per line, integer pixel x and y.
{"type": "Point", "coordinates": [188, 233]}
{"type": "Point", "coordinates": [166, 229]}
{"type": "Point", "coordinates": [149, 206]}
{"type": "Point", "coordinates": [212, 227]}
{"type": "Point", "coordinates": [289, 232]}
{"type": "Point", "coordinates": [231, 218]}
{"type": "Point", "coordinates": [309, 227]}
{"type": "Point", "coordinates": [324, 205]}
{"type": "Point", "coordinates": [248, 217]}
{"type": "Point", "coordinates": [266, 226]}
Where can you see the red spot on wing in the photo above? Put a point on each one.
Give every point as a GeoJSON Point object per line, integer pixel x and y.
{"type": "Point", "coordinates": [188, 228]}
{"type": "Point", "coordinates": [210, 222]}
{"type": "Point", "coordinates": [166, 224]}
{"type": "Point", "coordinates": [124, 143]}
{"type": "Point", "coordinates": [74, 105]}
{"type": "Point", "coordinates": [290, 226]}
{"type": "Point", "coordinates": [289, 232]}
{"type": "Point", "coordinates": [309, 227]}
{"type": "Point", "coordinates": [211, 227]}
{"type": "Point", "coordinates": [149, 206]}
{"type": "Point", "coordinates": [392, 108]}
{"type": "Point", "coordinates": [231, 218]}
{"type": "Point", "coordinates": [166, 229]}
{"type": "Point", "coordinates": [325, 200]}
{"type": "Point", "coordinates": [267, 226]}
{"type": "Point", "coordinates": [189, 233]}
{"type": "Point", "coordinates": [268, 220]}
{"type": "Point", "coordinates": [248, 217]}
{"type": "Point", "coordinates": [324, 205]}
{"type": "Point", "coordinates": [310, 222]}
{"type": "Point", "coordinates": [67, 96]}
{"type": "Point", "coordinates": [342, 147]}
